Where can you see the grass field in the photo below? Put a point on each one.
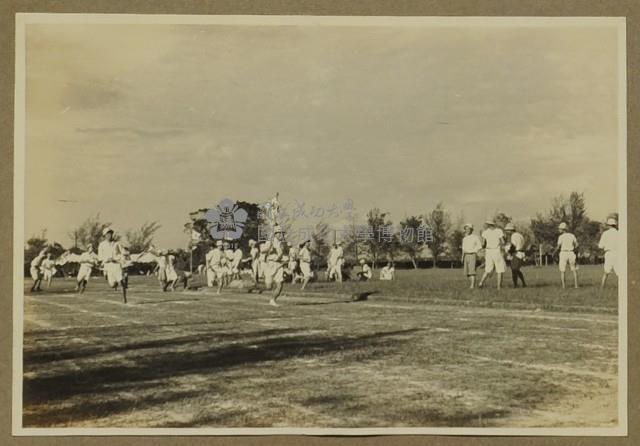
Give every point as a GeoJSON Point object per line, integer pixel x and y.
{"type": "Point", "coordinates": [423, 351]}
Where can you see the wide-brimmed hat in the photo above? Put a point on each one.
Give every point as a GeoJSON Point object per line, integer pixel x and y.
{"type": "Point", "coordinates": [612, 222]}
{"type": "Point", "coordinates": [219, 243]}
{"type": "Point", "coordinates": [467, 225]}
{"type": "Point", "coordinates": [562, 225]}
{"type": "Point", "coordinates": [107, 230]}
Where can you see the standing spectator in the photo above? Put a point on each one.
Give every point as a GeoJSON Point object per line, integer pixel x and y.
{"type": "Point", "coordinates": [471, 245]}
{"type": "Point", "coordinates": [609, 243]}
{"type": "Point", "coordinates": [493, 241]}
{"type": "Point", "coordinates": [515, 253]}
{"type": "Point", "coordinates": [567, 245]}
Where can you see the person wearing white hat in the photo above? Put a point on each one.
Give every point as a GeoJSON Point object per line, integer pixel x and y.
{"type": "Point", "coordinates": [87, 260]}
{"type": "Point", "coordinates": [110, 255]}
{"type": "Point", "coordinates": [304, 255]}
{"type": "Point", "coordinates": [471, 245]}
{"type": "Point", "coordinates": [567, 245]}
{"type": "Point", "coordinates": [273, 268]}
{"type": "Point", "coordinates": [515, 254]}
{"type": "Point", "coordinates": [493, 241]}
{"type": "Point", "coordinates": [609, 244]}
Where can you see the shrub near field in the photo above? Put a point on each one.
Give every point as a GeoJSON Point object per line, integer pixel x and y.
{"type": "Point", "coordinates": [194, 359]}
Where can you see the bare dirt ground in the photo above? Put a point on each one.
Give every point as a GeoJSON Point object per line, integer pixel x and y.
{"type": "Point", "coordinates": [422, 352]}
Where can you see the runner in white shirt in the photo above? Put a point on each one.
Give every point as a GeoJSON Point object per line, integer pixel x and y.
{"type": "Point", "coordinates": [471, 245]}
{"type": "Point", "coordinates": [110, 254]}
{"type": "Point", "coordinates": [48, 268]}
{"type": "Point", "coordinates": [272, 266]}
{"type": "Point", "coordinates": [514, 250]}
{"type": "Point", "coordinates": [170, 268]}
{"type": "Point", "coordinates": [493, 241]}
{"type": "Point", "coordinates": [609, 243]}
{"type": "Point", "coordinates": [87, 260]}
{"type": "Point", "coordinates": [35, 271]}
{"type": "Point", "coordinates": [216, 265]}
{"type": "Point", "coordinates": [304, 256]}
{"type": "Point", "coordinates": [161, 267]}
{"type": "Point", "coordinates": [567, 245]}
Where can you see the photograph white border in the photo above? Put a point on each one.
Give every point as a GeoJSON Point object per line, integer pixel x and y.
{"type": "Point", "coordinates": [24, 19]}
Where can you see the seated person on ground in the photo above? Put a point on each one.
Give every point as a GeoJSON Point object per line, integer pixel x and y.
{"type": "Point", "coordinates": [366, 273]}
{"type": "Point", "coordinates": [388, 272]}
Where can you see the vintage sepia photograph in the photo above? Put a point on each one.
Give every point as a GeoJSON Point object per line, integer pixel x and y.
{"type": "Point", "coordinates": [254, 225]}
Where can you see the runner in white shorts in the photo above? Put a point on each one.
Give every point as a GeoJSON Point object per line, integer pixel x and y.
{"type": "Point", "coordinates": [87, 260]}
{"type": "Point", "coordinates": [493, 240]}
{"type": "Point", "coordinates": [34, 270]}
{"type": "Point", "coordinates": [48, 268]}
{"type": "Point", "coordinates": [110, 254]}
{"type": "Point", "coordinates": [609, 244]}
{"type": "Point", "coordinates": [272, 266]}
{"type": "Point", "coordinates": [567, 245]}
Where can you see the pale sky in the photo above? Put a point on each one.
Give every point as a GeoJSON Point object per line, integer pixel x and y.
{"type": "Point", "coordinates": [150, 122]}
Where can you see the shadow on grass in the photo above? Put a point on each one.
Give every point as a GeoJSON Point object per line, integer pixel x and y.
{"type": "Point", "coordinates": [104, 380]}
{"type": "Point", "coordinates": [80, 352]}
{"type": "Point", "coordinates": [99, 408]}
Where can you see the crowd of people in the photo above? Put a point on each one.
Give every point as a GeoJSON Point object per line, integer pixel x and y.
{"type": "Point", "coordinates": [504, 246]}
{"type": "Point", "coordinates": [271, 262]}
